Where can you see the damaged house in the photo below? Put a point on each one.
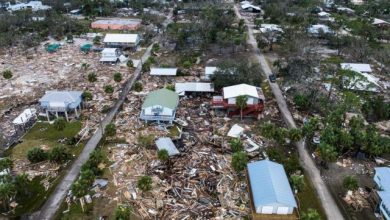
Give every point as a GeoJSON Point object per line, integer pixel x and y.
{"type": "Point", "coordinates": [122, 41]}
{"type": "Point", "coordinates": [110, 55]}
{"type": "Point", "coordinates": [255, 102]}
{"type": "Point", "coordinates": [160, 106]}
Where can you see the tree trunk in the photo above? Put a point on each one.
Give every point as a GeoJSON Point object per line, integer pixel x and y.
{"type": "Point", "coordinates": [241, 113]}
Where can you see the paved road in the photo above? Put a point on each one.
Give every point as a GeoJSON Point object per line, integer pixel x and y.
{"type": "Point", "coordinates": [331, 209]}
{"type": "Point", "coordinates": [55, 200]}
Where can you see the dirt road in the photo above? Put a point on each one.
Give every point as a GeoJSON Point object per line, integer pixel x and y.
{"type": "Point", "coordinates": [331, 209]}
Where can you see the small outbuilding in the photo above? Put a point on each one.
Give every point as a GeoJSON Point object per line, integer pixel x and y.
{"type": "Point", "coordinates": [193, 87]}
{"type": "Point", "coordinates": [250, 8]}
{"type": "Point", "coordinates": [270, 191]}
{"type": "Point", "coordinates": [110, 55]}
{"type": "Point", "coordinates": [165, 143]}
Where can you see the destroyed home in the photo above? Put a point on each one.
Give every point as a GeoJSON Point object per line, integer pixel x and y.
{"type": "Point", "coordinates": [160, 106]}
{"type": "Point", "coordinates": [382, 180]}
{"type": "Point", "coordinates": [318, 29]}
{"type": "Point", "coordinates": [117, 24]}
{"type": "Point", "coordinates": [25, 117]}
{"type": "Point", "coordinates": [193, 88]}
{"type": "Point", "coordinates": [61, 102]}
{"type": "Point", "coordinates": [166, 143]}
{"type": "Point", "coordinates": [163, 71]}
{"type": "Point", "coordinates": [270, 191]}
{"type": "Point", "coordinates": [255, 100]}
{"type": "Point", "coordinates": [110, 55]}
{"type": "Point", "coordinates": [357, 67]}
{"type": "Point", "coordinates": [130, 41]}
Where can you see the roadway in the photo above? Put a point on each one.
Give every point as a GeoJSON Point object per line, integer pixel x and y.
{"type": "Point", "coordinates": [328, 203]}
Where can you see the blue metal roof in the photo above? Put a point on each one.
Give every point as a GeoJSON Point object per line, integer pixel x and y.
{"type": "Point", "coordinates": [384, 174]}
{"type": "Point", "coordinates": [62, 96]}
{"type": "Point", "coordinates": [385, 197]}
{"type": "Point", "coordinates": [269, 184]}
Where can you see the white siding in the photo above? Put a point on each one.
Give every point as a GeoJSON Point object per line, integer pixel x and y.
{"type": "Point", "coordinates": [250, 101]}
{"type": "Point", "coordinates": [267, 209]}
{"type": "Point", "coordinates": [165, 112]}
{"type": "Point", "coordinates": [282, 210]}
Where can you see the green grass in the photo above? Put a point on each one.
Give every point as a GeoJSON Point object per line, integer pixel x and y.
{"type": "Point", "coordinates": [44, 134]}
{"type": "Point", "coordinates": [309, 199]}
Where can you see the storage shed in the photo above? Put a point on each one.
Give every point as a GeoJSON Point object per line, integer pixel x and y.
{"type": "Point", "coordinates": [270, 190]}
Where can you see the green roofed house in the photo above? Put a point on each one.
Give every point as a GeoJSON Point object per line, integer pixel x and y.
{"type": "Point", "coordinates": [160, 106]}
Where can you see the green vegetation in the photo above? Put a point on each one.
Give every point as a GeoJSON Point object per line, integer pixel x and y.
{"type": "Point", "coordinates": [170, 87]}
{"type": "Point", "coordinates": [130, 64]}
{"type": "Point", "coordinates": [145, 183]}
{"type": "Point", "coordinates": [350, 183]}
{"type": "Point", "coordinates": [241, 103]}
{"type": "Point", "coordinates": [59, 154]}
{"type": "Point", "coordinates": [43, 134]}
{"type": "Point", "coordinates": [7, 74]}
{"type": "Point", "coordinates": [108, 89]}
{"type": "Point", "coordinates": [123, 212]}
{"type": "Point", "coordinates": [137, 86]}
{"type": "Point", "coordinates": [110, 130]}
{"type": "Point", "coordinates": [87, 96]}
{"type": "Point", "coordinates": [117, 77]}
{"type": "Point", "coordinates": [163, 155]}
{"type": "Point", "coordinates": [59, 124]}
{"type": "Point", "coordinates": [92, 77]}
{"type": "Point", "coordinates": [311, 214]}
{"type": "Point", "coordinates": [239, 161]}
{"type": "Point", "coordinates": [145, 141]}
{"type": "Point", "coordinates": [308, 199]}
{"type": "Point", "coordinates": [298, 182]}
{"type": "Point", "coordinates": [236, 145]}
{"type": "Point", "coordinates": [36, 155]}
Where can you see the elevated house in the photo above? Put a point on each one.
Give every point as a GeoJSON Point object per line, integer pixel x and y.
{"type": "Point", "coordinates": [160, 106]}
{"type": "Point", "coordinates": [122, 41]}
{"type": "Point", "coordinates": [110, 55]}
{"type": "Point", "coordinates": [61, 102]}
{"type": "Point", "coordinates": [255, 102]}
{"type": "Point", "coordinates": [270, 192]}
{"type": "Point", "coordinates": [32, 5]}
{"type": "Point", "coordinates": [382, 180]}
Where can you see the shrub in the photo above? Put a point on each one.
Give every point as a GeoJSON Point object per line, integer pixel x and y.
{"type": "Point", "coordinates": [87, 96]}
{"type": "Point", "coordinates": [239, 161]}
{"type": "Point", "coordinates": [110, 130]}
{"type": "Point", "coordinates": [59, 154]}
{"type": "Point", "coordinates": [117, 77]}
{"type": "Point", "coordinates": [350, 183]}
{"type": "Point", "coordinates": [236, 145]}
{"type": "Point", "coordinates": [145, 140]}
{"type": "Point", "coordinates": [92, 77]}
{"type": "Point", "coordinates": [145, 183]}
{"type": "Point", "coordinates": [108, 89]}
{"type": "Point", "coordinates": [123, 212]}
{"type": "Point", "coordinates": [36, 155]}
{"type": "Point", "coordinates": [170, 87]}
{"type": "Point", "coordinates": [7, 74]}
{"type": "Point", "coordinates": [302, 102]}
{"type": "Point", "coordinates": [137, 86]}
{"type": "Point", "coordinates": [130, 64]}
{"type": "Point", "coordinates": [60, 124]}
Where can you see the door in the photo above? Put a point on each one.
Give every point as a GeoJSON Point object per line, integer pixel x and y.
{"type": "Point", "coordinates": [267, 209]}
{"type": "Point", "coordinates": [282, 211]}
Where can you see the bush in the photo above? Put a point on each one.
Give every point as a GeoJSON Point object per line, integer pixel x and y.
{"type": "Point", "coordinates": [350, 183]}
{"type": "Point", "coordinates": [108, 89]}
{"type": "Point", "coordinates": [145, 183]}
{"type": "Point", "coordinates": [7, 74]}
{"type": "Point", "coordinates": [87, 96]}
{"type": "Point", "coordinates": [92, 77]}
{"type": "Point", "coordinates": [36, 155]}
{"type": "Point", "coordinates": [137, 86]}
{"type": "Point", "coordinates": [60, 124]}
{"type": "Point", "coordinates": [145, 140]}
{"type": "Point", "coordinates": [59, 154]}
{"type": "Point", "coordinates": [155, 48]}
{"type": "Point", "coordinates": [110, 130]}
{"type": "Point", "coordinates": [117, 77]}
{"type": "Point", "coordinates": [236, 145]}
{"type": "Point", "coordinates": [170, 87]}
{"type": "Point", "coordinates": [302, 102]}
{"type": "Point", "coordinates": [187, 64]}
{"type": "Point", "coordinates": [130, 64]}
{"type": "Point", "coordinates": [239, 161]}
{"type": "Point", "coordinates": [123, 212]}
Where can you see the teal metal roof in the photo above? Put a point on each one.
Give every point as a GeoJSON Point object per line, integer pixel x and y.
{"type": "Point", "coordinates": [269, 184]}
{"type": "Point", "coordinates": [162, 97]}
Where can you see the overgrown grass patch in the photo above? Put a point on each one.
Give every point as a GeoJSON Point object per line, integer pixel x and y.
{"type": "Point", "coordinates": [44, 134]}
{"type": "Point", "coordinates": [309, 199]}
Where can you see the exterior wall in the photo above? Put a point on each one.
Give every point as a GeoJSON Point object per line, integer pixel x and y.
{"type": "Point", "coordinates": [70, 106]}
{"type": "Point", "coordinates": [251, 101]}
{"type": "Point", "coordinates": [259, 209]}
{"type": "Point", "coordinates": [378, 181]}
{"type": "Point", "coordinates": [384, 212]}
{"type": "Point", "coordinates": [167, 114]}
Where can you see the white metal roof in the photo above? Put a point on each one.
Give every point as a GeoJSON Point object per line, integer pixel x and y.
{"type": "Point", "coordinates": [379, 21]}
{"type": "Point", "coordinates": [121, 38]}
{"type": "Point", "coordinates": [163, 71]}
{"type": "Point", "coordinates": [61, 96]}
{"type": "Point", "coordinates": [246, 6]}
{"type": "Point", "coordinates": [119, 21]}
{"type": "Point", "coordinates": [182, 88]}
{"type": "Point", "coordinates": [109, 50]}
{"type": "Point", "coordinates": [323, 13]}
{"type": "Point", "coordinates": [357, 67]}
{"type": "Point", "coordinates": [25, 116]}
{"type": "Point", "coordinates": [210, 70]}
{"type": "Point", "coordinates": [167, 144]}
{"type": "Point", "coordinates": [236, 131]}
{"type": "Point", "coordinates": [238, 90]}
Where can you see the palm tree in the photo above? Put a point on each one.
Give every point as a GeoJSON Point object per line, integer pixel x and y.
{"type": "Point", "coordinates": [92, 77]}
{"type": "Point", "coordinates": [60, 124]}
{"type": "Point", "coordinates": [5, 163]}
{"type": "Point", "coordinates": [236, 145]}
{"type": "Point", "coordinates": [7, 192]}
{"type": "Point", "coordinates": [7, 74]}
{"type": "Point", "coordinates": [21, 183]}
{"type": "Point", "coordinates": [241, 103]}
{"type": "Point", "coordinates": [87, 96]}
{"type": "Point", "coordinates": [295, 134]}
{"type": "Point", "coordinates": [117, 77]}
{"type": "Point", "coordinates": [108, 89]}
{"type": "Point", "coordinates": [163, 155]}
{"type": "Point", "coordinates": [110, 130]}
{"type": "Point", "coordinates": [79, 188]}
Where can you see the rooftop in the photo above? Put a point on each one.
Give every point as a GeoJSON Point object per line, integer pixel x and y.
{"type": "Point", "coordinates": [357, 67]}
{"type": "Point", "coordinates": [181, 88]}
{"type": "Point", "coordinates": [269, 184]}
{"type": "Point", "coordinates": [162, 97]}
{"type": "Point", "coordinates": [119, 21]}
{"type": "Point", "coordinates": [61, 96]}
{"type": "Point", "coordinates": [121, 38]}
{"type": "Point", "coordinates": [163, 71]}
{"type": "Point", "coordinates": [167, 144]}
{"type": "Point", "coordinates": [241, 89]}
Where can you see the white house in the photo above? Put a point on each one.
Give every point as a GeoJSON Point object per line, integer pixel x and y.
{"type": "Point", "coordinates": [160, 106]}
{"type": "Point", "coordinates": [265, 28]}
{"type": "Point", "coordinates": [110, 55]}
{"type": "Point", "coordinates": [270, 190]}
{"type": "Point", "coordinates": [122, 40]}
{"type": "Point", "coordinates": [254, 94]}
{"type": "Point", "coordinates": [250, 8]}
{"type": "Point", "coordinates": [62, 102]}
{"type": "Point", "coordinates": [33, 5]}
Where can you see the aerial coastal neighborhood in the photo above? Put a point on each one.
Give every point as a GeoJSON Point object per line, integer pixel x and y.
{"type": "Point", "coordinates": [184, 109]}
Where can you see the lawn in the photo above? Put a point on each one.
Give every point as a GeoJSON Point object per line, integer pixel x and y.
{"type": "Point", "coordinates": [44, 134]}
{"type": "Point", "coordinates": [309, 199]}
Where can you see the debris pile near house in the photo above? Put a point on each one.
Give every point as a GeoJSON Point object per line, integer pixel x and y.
{"type": "Point", "coordinates": [357, 199]}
